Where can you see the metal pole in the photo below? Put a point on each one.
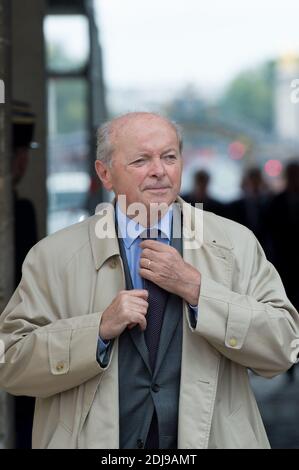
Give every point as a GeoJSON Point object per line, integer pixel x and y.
{"type": "Point", "coordinates": [6, 212]}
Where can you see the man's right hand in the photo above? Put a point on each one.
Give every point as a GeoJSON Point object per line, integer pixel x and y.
{"type": "Point", "coordinates": [128, 309]}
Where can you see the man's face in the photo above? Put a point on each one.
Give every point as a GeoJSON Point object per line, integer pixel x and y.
{"type": "Point", "coordinates": [146, 163]}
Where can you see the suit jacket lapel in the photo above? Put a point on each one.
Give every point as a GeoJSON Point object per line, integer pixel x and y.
{"type": "Point", "coordinates": [174, 307]}
{"type": "Point", "coordinates": [135, 333]}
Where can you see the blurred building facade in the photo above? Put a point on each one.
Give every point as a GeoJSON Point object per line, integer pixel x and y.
{"type": "Point", "coordinates": [286, 111]}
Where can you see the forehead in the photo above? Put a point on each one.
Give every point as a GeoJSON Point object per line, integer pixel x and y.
{"type": "Point", "coordinates": [150, 132]}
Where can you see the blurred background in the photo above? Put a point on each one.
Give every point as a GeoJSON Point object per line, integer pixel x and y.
{"type": "Point", "coordinates": [227, 72]}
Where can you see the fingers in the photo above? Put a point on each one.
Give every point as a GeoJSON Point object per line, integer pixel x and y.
{"type": "Point", "coordinates": [155, 245]}
{"type": "Point", "coordinates": [150, 254]}
{"type": "Point", "coordinates": [132, 302]}
{"type": "Point", "coordinates": [144, 263]}
{"type": "Point", "coordinates": [141, 307]}
{"type": "Point", "coordinates": [127, 309]}
{"type": "Point", "coordinates": [138, 319]}
{"type": "Point", "coordinates": [148, 274]}
{"type": "Point", "coordinates": [139, 293]}
{"type": "Point", "coordinates": [138, 303]}
{"type": "Point", "coordinates": [134, 305]}
{"type": "Point", "coordinates": [142, 322]}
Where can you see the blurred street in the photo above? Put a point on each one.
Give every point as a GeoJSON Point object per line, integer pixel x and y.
{"type": "Point", "coordinates": [279, 406]}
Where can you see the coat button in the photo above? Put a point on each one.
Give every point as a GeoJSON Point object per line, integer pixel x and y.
{"type": "Point", "coordinates": [155, 388]}
{"type": "Point", "coordinates": [59, 366]}
{"type": "Point", "coordinates": [113, 262]}
{"type": "Point", "coordinates": [233, 342]}
{"type": "Point", "coordinates": [140, 444]}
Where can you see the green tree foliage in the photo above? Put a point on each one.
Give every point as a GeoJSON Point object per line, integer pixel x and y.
{"type": "Point", "coordinates": [58, 60]}
{"type": "Point", "coordinates": [70, 105]}
{"type": "Point", "coordinates": [250, 97]}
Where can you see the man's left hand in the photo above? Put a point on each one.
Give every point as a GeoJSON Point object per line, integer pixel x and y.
{"type": "Point", "coordinates": [163, 265]}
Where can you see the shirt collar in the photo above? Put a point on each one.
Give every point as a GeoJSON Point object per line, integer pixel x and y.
{"type": "Point", "coordinates": [130, 230]}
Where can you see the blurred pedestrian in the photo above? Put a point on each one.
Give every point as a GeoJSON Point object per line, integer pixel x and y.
{"type": "Point", "coordinates": [23, 122]}
{"type": "Point", "coordinates": [25, 234]}
{"type": "Point", "coordinates": [250, 210]}
{"type": "Point", "coordinates": [200, 194]}
{"type": "Point", "coordinates": [283, 222]}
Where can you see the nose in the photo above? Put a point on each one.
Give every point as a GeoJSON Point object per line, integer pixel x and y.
{"type": "Point", "coordinates": [157, 168]}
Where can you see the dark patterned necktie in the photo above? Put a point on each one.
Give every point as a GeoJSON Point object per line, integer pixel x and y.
{"type": "Point", "coordinates": [157, 298]}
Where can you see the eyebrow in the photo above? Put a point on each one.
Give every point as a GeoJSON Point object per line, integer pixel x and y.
{"type": "Point", "coordinates": [171, 149]}
{"type": "Point", "coordinates": [146, 154]}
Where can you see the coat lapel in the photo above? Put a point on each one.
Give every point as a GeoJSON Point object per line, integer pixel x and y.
{"type": "Point", "coordinates": [205, 248]}
{"type": "Point", "coordinates": [103, 389]}
{"type": "Point", "coordinates": [172, 316]}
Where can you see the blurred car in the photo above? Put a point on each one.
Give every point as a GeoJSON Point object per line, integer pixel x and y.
{"type": "Point", "coordinates": [67, 192]}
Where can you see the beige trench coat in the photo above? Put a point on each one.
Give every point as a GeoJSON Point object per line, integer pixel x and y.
{"type": "Point", "coordinates": [50, 329]}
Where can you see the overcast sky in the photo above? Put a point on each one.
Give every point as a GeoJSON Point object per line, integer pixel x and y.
{"type": "Point", "coordinates": [149, 43]}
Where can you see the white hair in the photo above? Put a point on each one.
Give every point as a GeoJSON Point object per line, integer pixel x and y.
{"type": "Point", "coordinates": [105, 147]}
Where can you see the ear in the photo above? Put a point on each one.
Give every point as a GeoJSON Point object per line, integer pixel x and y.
{"type": "Point", "coordinates": [103, 172]}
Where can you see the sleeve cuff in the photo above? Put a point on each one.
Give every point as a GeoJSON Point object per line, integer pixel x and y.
{"type": "Point", "coordinates": [101, 350]}
{"type": "Point", "coordinates": [193, 315]}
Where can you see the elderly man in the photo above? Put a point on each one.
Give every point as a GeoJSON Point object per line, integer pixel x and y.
{"type": "Point", "coordinates": [132, 342]}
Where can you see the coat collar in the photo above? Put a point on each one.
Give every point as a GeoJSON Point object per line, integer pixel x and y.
{"type": "Point", "coordinates": [102, 234]}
